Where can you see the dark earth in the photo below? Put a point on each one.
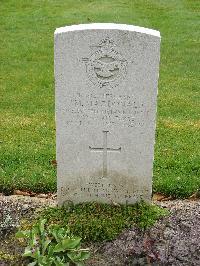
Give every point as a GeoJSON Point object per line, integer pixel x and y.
{"type": "Point", "coordinates": [173, 240]}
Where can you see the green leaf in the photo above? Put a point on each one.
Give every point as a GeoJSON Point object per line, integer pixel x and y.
{"type": "Point", "coordinates": [45, 245]}
{"type": "Point", "coordinates": [76, 256]}
{"type": "Point", "coordinates": [84, 255]}
{"type": "Point", "coordinates": [28, 252]}
{"type": "Point", "coordinates": [67, 244]}
{"type": "Point", "coordinates": [35, 230]}
{"type": "Point", "coordinates": [79, 263]}
{"type": "Point", "coordinates": [54, 231]}
{"type": "Point", "coordinates": [34, 240]}
{"type": "Point", "coordinates": [33, 237]}
{"type": "Point", "coordinates": [37, 254]}
{"type": "Point", "coordinates": [32, 263]}
{"type": "Point", "coordinates": [50, 250]}
{"type": "Point", "coordinates": [22, 234]}
{"type": "Point", "coordinates": [62, 233]}
{"type": "Point", "coordinates": [58, 248]}
{"type": "Point", "coordinates": [41, 225]}
{"type": "Point", "coordinates": [72, 255]}
{"type": "Point", "coordinates": [58, 261]}
{"type": "Point", "coordinates": [44, 260]}
{"type": "Point", "coordinates": [71, 243]}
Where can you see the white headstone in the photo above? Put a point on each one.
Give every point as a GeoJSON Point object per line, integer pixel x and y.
{"type": "Point", "coordinates": [106, 79]}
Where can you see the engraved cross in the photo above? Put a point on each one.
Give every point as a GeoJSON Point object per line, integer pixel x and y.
{"type": "Point", "coordinates": [105, 150]}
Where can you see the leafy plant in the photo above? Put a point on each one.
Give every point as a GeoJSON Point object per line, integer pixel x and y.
{"type": "Point", "coordinates": [52, 245]}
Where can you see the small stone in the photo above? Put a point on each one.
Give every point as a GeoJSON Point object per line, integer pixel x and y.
{"type": "Point", "coordinates": [45, 196]}
{"type": "Point", "coordinates": [21, 193]}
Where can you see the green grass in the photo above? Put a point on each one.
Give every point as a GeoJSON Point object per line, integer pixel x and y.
{"type": "Point", "coordinates": [27, 87]}
{"type": "Point", "coordinates": [99, 222]}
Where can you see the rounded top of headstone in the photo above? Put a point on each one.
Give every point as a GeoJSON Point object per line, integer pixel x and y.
{"type": "Point", "coordinates": [107, 26]}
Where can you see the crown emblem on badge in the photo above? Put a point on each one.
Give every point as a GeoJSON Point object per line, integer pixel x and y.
{"type": "Point", "coordinates": [106, 67]}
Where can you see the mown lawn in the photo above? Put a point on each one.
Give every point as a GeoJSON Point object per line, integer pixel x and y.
{"type": "Point", "coordinates": [27, 87]}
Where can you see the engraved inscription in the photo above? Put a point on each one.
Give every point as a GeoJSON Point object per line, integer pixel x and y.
{"type": "Point", "coordinates": [109, 191]}
{"type": "Point", "coordinates": [106, 108]}
{"type": "Point", "coordinates": [105, 149]}
{"type": "Point", "coordinates": [106, 67]}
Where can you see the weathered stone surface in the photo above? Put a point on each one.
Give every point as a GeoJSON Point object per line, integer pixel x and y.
{"type": "Point", "coordinates": [106, 79]}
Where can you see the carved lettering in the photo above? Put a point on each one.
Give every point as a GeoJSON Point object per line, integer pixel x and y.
{"type": "Point", "coordinates": [107, 108]}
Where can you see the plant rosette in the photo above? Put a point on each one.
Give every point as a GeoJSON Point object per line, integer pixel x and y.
{"type": "Point", "coordinates": [52, 245]}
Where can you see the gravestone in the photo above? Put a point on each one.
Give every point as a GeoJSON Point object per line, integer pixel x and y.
{"type": "Point", "coordinates": [106, 78]}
